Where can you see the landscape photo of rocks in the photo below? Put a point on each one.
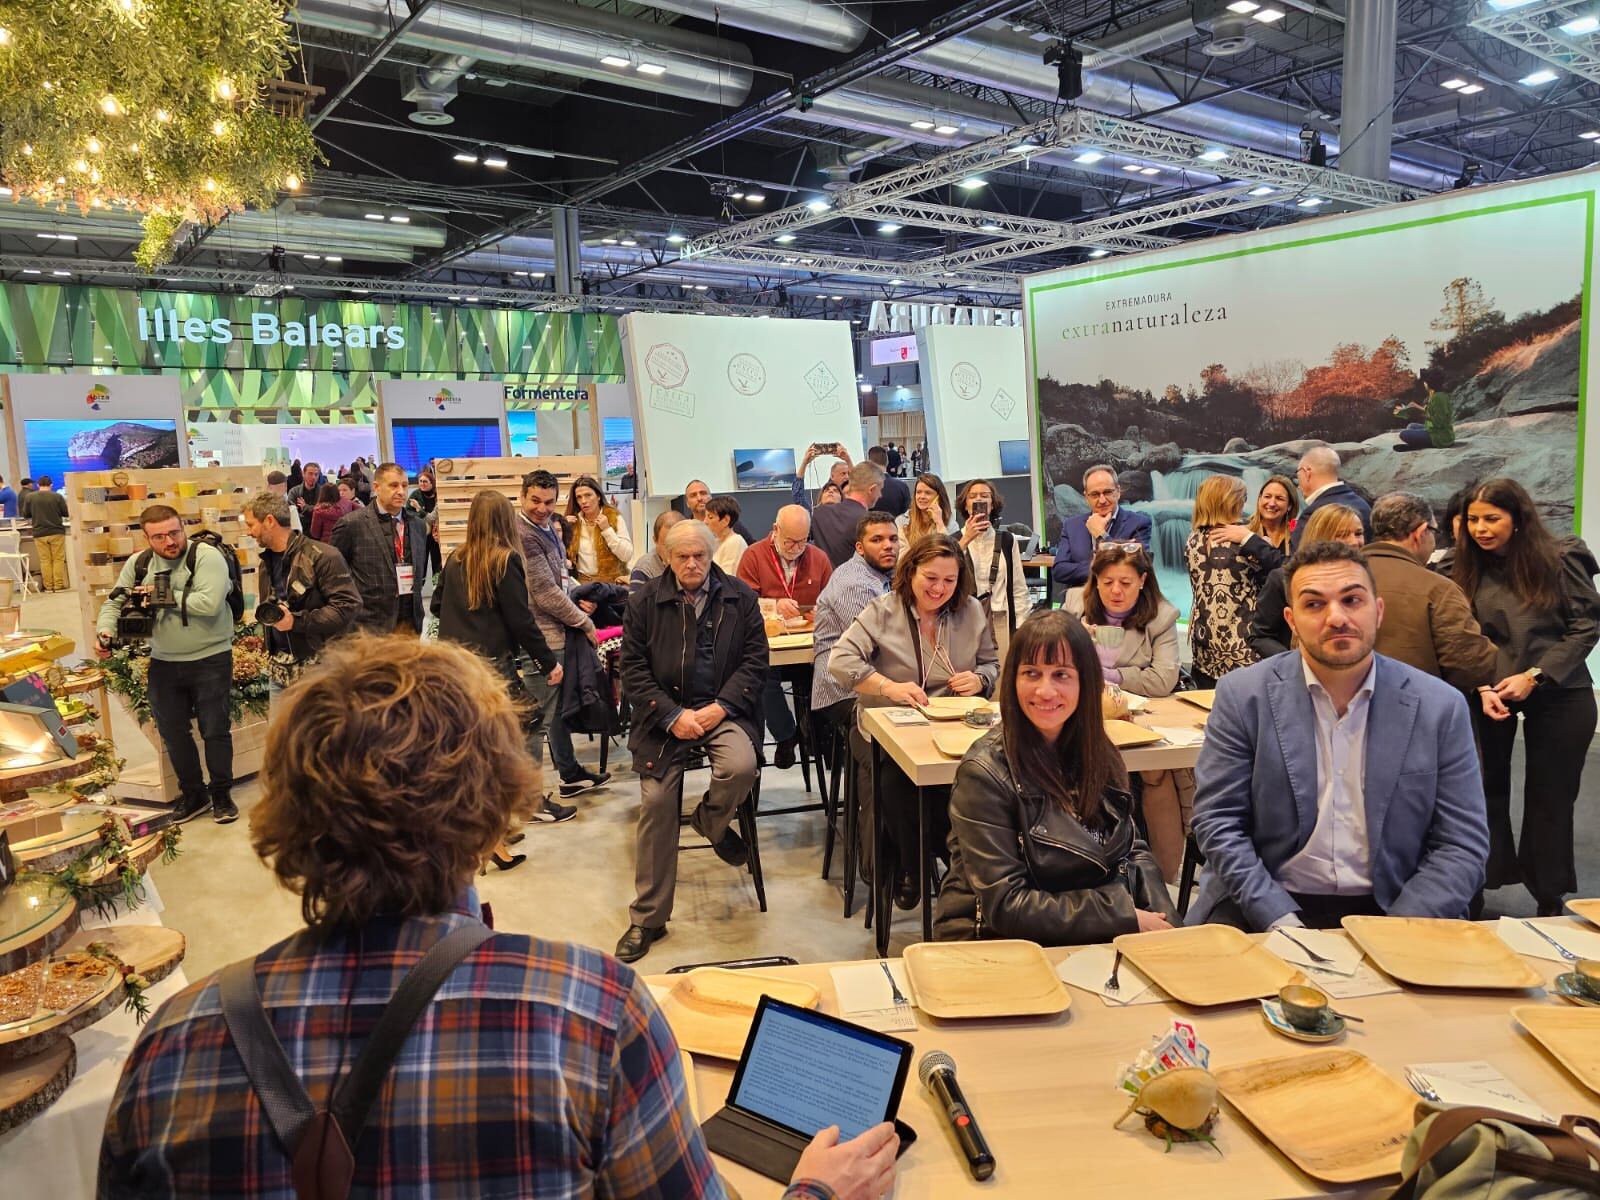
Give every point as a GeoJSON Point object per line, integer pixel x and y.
{"type": "Point", "coordinates": [1513, 379]}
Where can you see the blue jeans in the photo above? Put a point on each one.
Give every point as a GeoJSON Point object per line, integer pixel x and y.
{"type": "Point", "coordinates": [181, 691]}
{"type": "Point", "coordinates": [555, 729]}
{"type": "Point", "coordinates": [1416, 436]}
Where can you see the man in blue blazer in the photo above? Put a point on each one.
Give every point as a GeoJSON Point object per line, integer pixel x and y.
{"type": "Point", "coordinates": [1334, 781]}
{"type": "Point", "coordinates": [1106, 521]}
{"type": "Point", "coordinates": [1318, 475]}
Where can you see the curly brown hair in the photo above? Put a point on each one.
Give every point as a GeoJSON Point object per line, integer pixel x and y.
{"type": "Point", "coordinates": [402, 768]}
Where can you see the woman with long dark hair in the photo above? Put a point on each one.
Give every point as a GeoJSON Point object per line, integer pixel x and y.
{"type": "Point", "coordinates": [326, 514]}
{"type": "Point", "coordinates": [1043, 844]}
{"type": "Point", "coordinates": [600, 548]}
{"type": "Point", "coordinates": [929, 512]}
{"type": "Point", "coordinates": [482, 602]}
{"type": "Point", "coordinates": [1534, 596]}
{"type": "Point", "coordinates": [424, 501]}
{"type": "Point", "coordinates": [1265, 536]}
{"type": "Point", "coordinates": [996, 559]}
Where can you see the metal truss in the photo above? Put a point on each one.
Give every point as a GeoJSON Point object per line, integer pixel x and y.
{"type": "Point", "coordinates": [1075, 128]}
{"type": "Point", "coordinates": [352, 287]}
{"type": "Point", "coordinates": [1533, 28]}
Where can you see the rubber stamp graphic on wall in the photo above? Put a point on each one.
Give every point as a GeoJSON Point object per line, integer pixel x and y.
{"type": "Point", "coordinates": [824, 385]}
{"type": "Point", "coordinates": [1003, 404]}
{"type": "Point", "coordinates": [666, 365]}
{"type": "Point", "coordinates": [966, 380]}
{"type": "Point", "coordinates": [747, 374]}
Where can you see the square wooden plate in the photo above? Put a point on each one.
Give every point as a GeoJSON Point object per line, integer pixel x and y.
{"type": "Point", "coordinates": [1332, 1113]}
{"type": "Point", "coordinates": [953, 708]}
{"type": "Point", "coordinates": [1125, 734]}
{"type": "Point", "coordinates": [1203, 965]}
{"type": "Point", "coordinates": [1572, 1035]}
{"type": "Point", "coordinates": [1433, 952]}
{"type": "Point", "coordinates": [1202, 699]}
{"type": "Point", "coordinates": [954, 980]}
{"type": "Point", "coordinates": [953, 741]}
{"type": "Point", "coordinates": [710, 1009]}
{"type": "Point", "coordinates": [1589, 910]}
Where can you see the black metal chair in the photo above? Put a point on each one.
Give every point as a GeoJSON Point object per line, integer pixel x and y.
{"type": "Point", "coordinates": [1193, 860]}
{"type": "Point", "coordinates": [745, 815]}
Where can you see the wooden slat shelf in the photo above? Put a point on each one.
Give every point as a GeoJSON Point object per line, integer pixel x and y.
{"type": "Point", "coordinates": [458, 480]}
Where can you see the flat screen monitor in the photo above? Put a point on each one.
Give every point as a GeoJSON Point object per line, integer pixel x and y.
{"type": "Point", "coordinates": [1014, 457]}
{"type": "Point", "coordinates": [56, 447]}
{"type": "Point", "coordinates": [418, 441]}
{"type": "Point", "coordinates": [524, 426]}
{"type": "Point", "coordinates": [891, 351]}
{"type": "Point", "coordinates": [618, 435]}
{"type": "Point", "coordinates": [754, 470]}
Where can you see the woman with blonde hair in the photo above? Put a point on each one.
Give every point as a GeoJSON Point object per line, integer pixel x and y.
{"type": "Point", "coordinates": [1269, 630]}
{"type": "Point", "coordinates": [482, 602]}
{"type": "Point", "coordinates": [929, 512]}
{"type": "Point", "coordinates": [1226, 581]}
{"type": "Point", "coordinates": [1265, 536]}
{"type": "Point", "coordinates": [600, 549]}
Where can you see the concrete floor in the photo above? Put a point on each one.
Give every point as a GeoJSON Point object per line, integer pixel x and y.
{"type": "Point", "coordinates": [578, 880]}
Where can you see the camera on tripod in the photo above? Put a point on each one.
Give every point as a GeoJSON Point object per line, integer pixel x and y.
{"type": "Point", "coordinates": [137, 620]}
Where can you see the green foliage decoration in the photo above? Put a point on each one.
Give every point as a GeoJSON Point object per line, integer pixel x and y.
{"type": "Point", "coordinates": [158, 106]}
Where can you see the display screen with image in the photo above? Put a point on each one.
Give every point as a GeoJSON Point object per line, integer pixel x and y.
{"type": "Point", "coordinates": [618, 435]}
{"type": "Point", "coordinates": [524, 427]}
{"type": "Point", "coordinates": [1014, 457]}
{"type": "Point", "coordinates": [757, 469]}
{"type": "Point", "coordinates": [56, 447]}
{"type": "Point", "coordinates": [418, 441]}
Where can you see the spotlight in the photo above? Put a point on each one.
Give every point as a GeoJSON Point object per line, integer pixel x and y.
{"type": "Point", "coordinates": [1311, 148]}
{"type": "Point", "coordinates": [1469, 173]}
{"type": "Point", "coordinates": [1069, 70]}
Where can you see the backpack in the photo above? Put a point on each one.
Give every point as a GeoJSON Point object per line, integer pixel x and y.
{"type": "Point", "coordinates": [229, 555]}
{"type": "Point", "coordinates": [1470, 1153]}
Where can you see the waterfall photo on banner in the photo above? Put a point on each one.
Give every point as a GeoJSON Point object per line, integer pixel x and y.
{"type": "Point", "coordinates": [1180, 364]}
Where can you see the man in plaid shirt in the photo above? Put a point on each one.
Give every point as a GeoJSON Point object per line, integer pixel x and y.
{"type": "Point", "coordinates": [539, 1069]}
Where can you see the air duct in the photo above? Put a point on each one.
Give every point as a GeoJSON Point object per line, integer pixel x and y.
{"type": "Point", "coordinates": [562, 38]}
{"type": "Point", "coordinates": [831, 26]}
{"type": "Point", "coordinates": [432, 87]}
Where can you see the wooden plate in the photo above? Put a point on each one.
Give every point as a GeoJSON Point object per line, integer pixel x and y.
{"type": "Point", "coordinates": [1433, 952]}
{"type": "Point", "coordinates": [29, 1087]}
{"type": "Point", "coordinates": [957, 980]}
{"type": "Point", "coordinates": [1589, 910]}
{"type": "Point", "coordinates": [710, 1009]}
{"type": "Point", "coordinates": [35, 918]}
{"type": "Point", "coordinates": [1572, 1035]}
{"type": "Point", "coordinates": [153, 951]}
{"type": "Point", "coordinates": [953, 708]}
{"type": "Point", "coordinates": [24, 1041]}
{"type": "Point", "coordinates": [1202, 699]}
{"type": "Point", "coordinates": [1332, 1113]}
{"type": "Point", "coordinates": [953, 741]}
{"type": "Point", "coordinates": [1125, 734]}
{"type": "Point", "coordinates": [1204, 965]}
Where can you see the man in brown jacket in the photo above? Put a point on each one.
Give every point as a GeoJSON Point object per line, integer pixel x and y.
{"type": "Point", "coordinates": [1427, 621]}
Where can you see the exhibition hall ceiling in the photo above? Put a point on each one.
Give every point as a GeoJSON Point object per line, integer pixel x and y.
{"type": "Point", "coordinates": [915, 151]}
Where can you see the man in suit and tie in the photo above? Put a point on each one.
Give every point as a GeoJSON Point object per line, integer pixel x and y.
{"type": "Point", "coordinates": [1334, 781]}
{"type": "Point", "coordinates": [1106, 521]}
{"type": "Point", "coordinates": [1318, 475]}
{"type": "Point", "coordinates": [386, 547]}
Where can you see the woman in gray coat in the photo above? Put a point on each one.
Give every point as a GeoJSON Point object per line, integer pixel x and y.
{"type": "Point", "coordinates": [927, 637]}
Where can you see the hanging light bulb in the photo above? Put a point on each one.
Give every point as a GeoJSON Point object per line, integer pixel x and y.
{"type": "Point", "coordinates": [219, 128]}
{"type": "Point", "coordinates": [111, 106]}
{"type": "Point", "coordinates": [211, 185]}
{"type": "Point", "coordinates": [94, 145]}
{"type": "Point", "coordinates": [163, 115]}
{"type": "Point", "coordinates": [224, 89]}
{"type": "Point", "coordinates": [292, 183]}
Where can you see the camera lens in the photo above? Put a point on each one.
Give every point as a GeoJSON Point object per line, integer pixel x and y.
{"type": "Point", "coordinates": [269, 612]}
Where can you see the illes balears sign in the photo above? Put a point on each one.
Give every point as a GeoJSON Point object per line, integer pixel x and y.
{"type": "Point", "coordinates": [164, 325]}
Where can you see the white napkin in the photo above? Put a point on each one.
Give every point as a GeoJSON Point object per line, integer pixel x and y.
{"type": "Point", "coordinates": [1346, 955]}
{"type": "Point", "coordinates": [1367, 981]}
{"type": "Point", "coordinates": [1184, 736]}
{"type": "Point", "coordinates": [864, 995]}
{"type": "Point", "coordinates": [1089, 968]}
{"type": "Point", "coordinates": [1584, 943]}
{"type": "Point", "coordinates": [1478, 1083]}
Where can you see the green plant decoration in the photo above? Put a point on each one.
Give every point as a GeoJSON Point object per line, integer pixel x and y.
{"type": "Point", "coordinates": [158, 106]}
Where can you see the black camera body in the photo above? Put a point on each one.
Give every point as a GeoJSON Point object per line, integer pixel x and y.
{"type": "Point", "coordinates": [137, 620]}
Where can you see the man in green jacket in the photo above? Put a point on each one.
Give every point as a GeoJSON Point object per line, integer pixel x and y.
{"type": "Point", "coordinates": [191, 657]}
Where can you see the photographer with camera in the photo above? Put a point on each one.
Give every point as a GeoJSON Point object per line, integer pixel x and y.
{"type": "Point", "coordinates": [307, 594]}
{"type": "Point", "coordinates": [178, 601]}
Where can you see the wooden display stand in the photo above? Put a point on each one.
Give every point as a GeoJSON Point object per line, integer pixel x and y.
{"type": "Point", "coordinates": [157, 783]}
{"type": "Point", "coordinates": [458, 480]}
{"type": "Point", "coordinates": [105, 521]}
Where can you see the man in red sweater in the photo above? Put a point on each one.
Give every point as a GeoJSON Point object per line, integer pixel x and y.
{"type": "Point", "coordinates": [785, 567]}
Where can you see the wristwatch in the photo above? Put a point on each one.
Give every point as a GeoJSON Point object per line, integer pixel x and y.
{"type": "Point", "coordinates": [1536, 674]}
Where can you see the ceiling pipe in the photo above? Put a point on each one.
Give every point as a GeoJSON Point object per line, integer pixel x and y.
{"type": "Point", "coordinates": [831, 26]}
{"type": "Point", "coordinates": [562, 38]}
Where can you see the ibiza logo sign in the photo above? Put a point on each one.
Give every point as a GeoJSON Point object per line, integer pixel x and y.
{"type": "Point", "coordinates": [97, 395]}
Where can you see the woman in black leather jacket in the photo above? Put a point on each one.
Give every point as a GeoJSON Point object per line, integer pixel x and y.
{"type": "Point", "coordinates": [1042, 840]}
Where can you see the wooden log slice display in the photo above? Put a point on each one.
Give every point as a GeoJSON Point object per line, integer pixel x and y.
{"type": "Point", "coordinates": [80, 833]}
{"type": "Point", "coordinates": [16, 781]}
{"type": "Point", "coordinates": [35, 918]}
{"type": "Point", "coordinates": [68, 1006]}
{"type": "Point", "coordinates": [141, 853]}
{"type": "Point", "coordinates": [153, 951]}
{"type": "Point", "coordinates": [33, 1084]}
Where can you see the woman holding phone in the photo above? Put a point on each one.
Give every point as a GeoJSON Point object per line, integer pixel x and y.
{"type": "Point", "coordinates": [996, 560]}
{"type": "Point", "coordinates": [1043, 844]}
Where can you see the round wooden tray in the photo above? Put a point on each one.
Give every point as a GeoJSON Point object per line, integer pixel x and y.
{"type": "Point", "coordinates": [88, 681]}
{"type": "Point", "coordinates": [80, 833]}
{"type": "Point", "coordinates": [33, 1084]}
{"type": "Point", "coordinates": [28, 1040]}
{"type": "Point", "coordinates": [35, 918]}
{"type": "Point", "coordinates": [141, 853]}
{"type": "Point", "coordinates": [18, 780]}
{"type": "Point", "coordinates": [153, 951]}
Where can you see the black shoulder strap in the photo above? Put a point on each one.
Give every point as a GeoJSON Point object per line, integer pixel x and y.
{"type": "Point", "coordinates": [1002, 546]}
{"type": "Point", "coordinates": [183, 604]}
{"type": "Point", "coordinates": [283, 1097]}
{"type": "Point", "coordinates": [141, 565]}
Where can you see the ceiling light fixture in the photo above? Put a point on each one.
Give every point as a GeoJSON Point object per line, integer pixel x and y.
{"type": "Point", "coordinates": [784, 239]}
{"type": "Point", "coordinates": [1263, 190]}
{"type": "Point", "coordinates": [923, 126]}
{"type": "Point", "coordinates": [608, 241]}
{"type": "Point", "coordinates": [651, 69]}
{"type": "Point", "coordinates": [498, 162]}
{"type": "Point", "coordinates": [836, 297]}
{"type": "Point", "coordinates": [1098, 253]}
{"type": "Point", "coordinates": [989, 227]}
{"type": "Point", "coordinates": [737, 196]}
{"type": "Point", "coordinates": [1149, 170]}
{"type": "Point", "coordinates": [896, 282]}
{"type": "Point", "coordinates": [755, 197]}
{"type": "Point", "coordinates": [630, 241]}
{"type": "Point", "coordinates": [1243, 7]}
{"type": "Point", "coordinates": [30, 271]}
{"type": "Point", "coordinates": [333, 258]}
{"type": "Point", "coordinates": [1540, 77]}
{"type": "Point", "coordinates": [1212, 155]}
{"type": "Point", "coordinates": [1508, 5]}
{"type": "Point", "coordinates": [1088, 157]}
{"type": "Point", "coordinates": [1453, 83]}
{"type": "Point", "coordinates": [1311, 202]}
{"type": "Point", "coordinates": [1582, 26]}
{"type": "Point", "coordinates": [1268, 15]}
{"type": "Point", "coordinates": [947, 130]}
{"type": "Point", "coordinates": [373, 216]}
{"type": "Point", "coordinates": [888, 227]}
{"type": "Point", "coordinates": [972, 183]}
{"type": "Point", "coordinates": [673, 239]}
{"type": "Point", "coordinates": [613, 60]}
{"type": "Point", "coordinates": [1590, 135]}
{"type": "Point", "coordinates": [462, 156]}
{"type": "Point", "coordinates": [1134, 167]}
{"type": "Point", "coordinates": [61, 274]}
{"type": "Point", "coordinates": [399, 219]}
{"type": "Point", "coordinates": [1472, 89]}
{"type": "Point", "coordinates": [818, 205]}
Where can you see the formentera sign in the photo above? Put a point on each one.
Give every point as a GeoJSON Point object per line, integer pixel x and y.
{"type": "Point", "coordinates": [897, 317]}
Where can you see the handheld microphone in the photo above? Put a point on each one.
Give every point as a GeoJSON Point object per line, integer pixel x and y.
{"type": "Point", "coordinates": [937, 1070]}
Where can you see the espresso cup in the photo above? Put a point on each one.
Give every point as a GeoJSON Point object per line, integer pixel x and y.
{"type": "Point", "coordinates": [1588, 977]}
{"type": "Point", "coordinates": [1304, 1006]}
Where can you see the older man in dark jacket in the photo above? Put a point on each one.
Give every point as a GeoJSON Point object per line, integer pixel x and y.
{"type": "Point", "coordinates": [386, 547]}
{"type": "Point", "coordinates": [694, 663]}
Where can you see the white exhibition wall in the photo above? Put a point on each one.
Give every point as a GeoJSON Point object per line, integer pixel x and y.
{"type": "Point", "coordinates": [1229, 355]}
{"type": "Point", "coordinates": [706, 386]}
{"type": "Point", "coordinates": [974, 396]}
{"type": "Point", "coordinates": [77, 418]}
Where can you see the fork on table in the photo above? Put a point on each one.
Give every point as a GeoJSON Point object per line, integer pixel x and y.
{"type": "Point", "coordinates": [1564, 952]}
{"type": "Point", "coordinates": [1111, 985]}
{"type": "Point", "coordinates": [900, 1001]}
{"type": "Point", "coordinates": [1422, 1086]}
{"type": "Point", "coordinates": [1319, 959]}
